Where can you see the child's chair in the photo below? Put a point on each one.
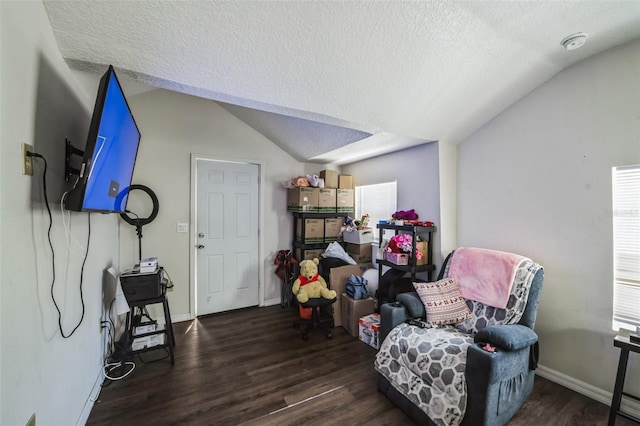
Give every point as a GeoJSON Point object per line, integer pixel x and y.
{"type": "Point", "coordinates": [319, 319]}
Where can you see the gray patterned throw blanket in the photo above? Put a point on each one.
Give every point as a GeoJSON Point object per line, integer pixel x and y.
{"type": "Point", "coordinates": [427, 365]}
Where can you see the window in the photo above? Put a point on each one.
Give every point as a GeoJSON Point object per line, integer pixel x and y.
{"type": "Point", "coordinates": [626, 247]}
{"type": "Point", "coordinates": [379, 201]}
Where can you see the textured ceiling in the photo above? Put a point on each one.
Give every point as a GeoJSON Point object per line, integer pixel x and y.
{"type": "Point", "coordinates": [319, 77]}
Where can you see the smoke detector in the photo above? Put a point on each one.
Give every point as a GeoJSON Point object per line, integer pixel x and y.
{"type": "Point", "coordinates": [574, 41]}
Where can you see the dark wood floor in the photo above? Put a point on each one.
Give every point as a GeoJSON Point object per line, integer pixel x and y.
{"type": "Point", "coordinates": [250, 367]}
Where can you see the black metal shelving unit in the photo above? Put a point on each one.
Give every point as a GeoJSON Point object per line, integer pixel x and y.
{"type": "Point", "coordinates": [412, 268]}
{"type": "Point", "coordinates": [311, 215]}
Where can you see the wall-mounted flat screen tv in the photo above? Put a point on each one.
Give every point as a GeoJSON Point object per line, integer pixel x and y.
{"type": "Point", "coordinates": [109, 154]}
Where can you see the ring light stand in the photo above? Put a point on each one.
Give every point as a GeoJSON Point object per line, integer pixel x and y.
{"type": "Point", "coordinates": [139, 222]}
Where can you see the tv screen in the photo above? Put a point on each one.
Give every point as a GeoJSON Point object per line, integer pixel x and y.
{"type": "Point", "coordinates": [109, 154]}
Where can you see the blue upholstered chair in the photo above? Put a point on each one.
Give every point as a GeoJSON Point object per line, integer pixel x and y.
{"type": "Point", "coordinates": [497, 383]}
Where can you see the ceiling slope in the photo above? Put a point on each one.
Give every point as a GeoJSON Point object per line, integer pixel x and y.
{"type": "Point", "coordinates": [317, 77]}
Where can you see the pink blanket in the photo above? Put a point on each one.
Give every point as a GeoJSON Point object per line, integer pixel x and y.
{"type": "Point", "coordinates": [485, 275]}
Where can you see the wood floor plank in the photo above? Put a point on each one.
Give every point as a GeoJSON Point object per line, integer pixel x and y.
{"type": "Point", "coordinates": [250, 367]}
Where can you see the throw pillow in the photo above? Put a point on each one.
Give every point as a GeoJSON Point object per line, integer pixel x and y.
{"type": "Point", "coordinates": [443, 302]}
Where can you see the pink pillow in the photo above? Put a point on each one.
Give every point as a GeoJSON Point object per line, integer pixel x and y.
{"type": "Point", "coordinates": [443, 302]}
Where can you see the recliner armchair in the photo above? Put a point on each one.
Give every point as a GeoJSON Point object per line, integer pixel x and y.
{"type": "Point", "coordinates": [497, 383]}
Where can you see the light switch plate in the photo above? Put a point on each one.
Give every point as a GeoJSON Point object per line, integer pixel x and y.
{"type": "Point", "coordinates": [182, 227]}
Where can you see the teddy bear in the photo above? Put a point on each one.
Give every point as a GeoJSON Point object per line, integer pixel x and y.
{"type": "Point", "coordinates": [310, 284]}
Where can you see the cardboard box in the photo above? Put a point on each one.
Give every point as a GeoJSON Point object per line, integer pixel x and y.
{"type": "Point", "coordinates": [359, 249]}
{"type": "Point", "coordinates": [303, 199]}
{"type": "Point", "coordinates": [302, 254]}
{"type": "Point", "coordinates": [330, 178]}
{"type": "Point", "coordinates": [369, 330]}
{"type": "Point", "coordinates": [326, 200]}
{"type": "Point", "coordinates": [313, 231]}
{"type": "Point", "coordinates": [353, 310]}
{"type": "Point", "coordinates": [332, 227]}
{"type": "Point", "coordinates": [344, 200]}
{"type": "Point", "coordinates": [338, 281]}
{"type": "Point", "coordinates": [422, 246]}
{"type": "Point", "coordinates": [361, 258]}
{"type": "Point", "coordinates": [345, 182]}
{"type": "Point", "coordinates": [359, 236]}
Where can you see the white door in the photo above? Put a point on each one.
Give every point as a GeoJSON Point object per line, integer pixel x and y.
{"type": "Point", "coordinates": [226, 236]}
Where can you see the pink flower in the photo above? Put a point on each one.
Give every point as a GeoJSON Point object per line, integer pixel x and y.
{"type": "Point", "coordinates": [402, 243]}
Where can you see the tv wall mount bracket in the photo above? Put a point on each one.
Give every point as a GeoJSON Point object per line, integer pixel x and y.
{"type": "Point", "coordinates": [69, 152]}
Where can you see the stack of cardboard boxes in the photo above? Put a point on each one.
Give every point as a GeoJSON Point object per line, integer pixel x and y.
{"type": "Point", "coordinates": [349, 312]}
{"type": "Point", "coordinates": [357, 317]}
{"type": "Point", "coordinates": [336, 196]}
{"type": "Point", "coordinates": [316, 230]}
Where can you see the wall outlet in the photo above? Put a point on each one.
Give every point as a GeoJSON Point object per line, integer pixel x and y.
{"type": "Point", "coordinates": [32, 420]}
{"type": "Point", "coordinates": [27, 162]}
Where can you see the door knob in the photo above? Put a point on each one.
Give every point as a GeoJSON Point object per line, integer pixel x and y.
{"type": "Point", "coordinates": [199, 246]}
{"type": "Point", "coordinates": [201, 235]}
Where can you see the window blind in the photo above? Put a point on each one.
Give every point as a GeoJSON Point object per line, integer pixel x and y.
{"type": "Point", "coordinates": [626, 247]}
{"type": "Point", "coordinates": [379, 201]}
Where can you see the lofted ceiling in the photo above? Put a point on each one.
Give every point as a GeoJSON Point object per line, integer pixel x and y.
{"type": "Point", "coordinates": [340, 81]}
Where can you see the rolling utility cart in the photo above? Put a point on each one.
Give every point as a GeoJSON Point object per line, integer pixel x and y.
{"type": "Point", "coordinates": [142, 290]}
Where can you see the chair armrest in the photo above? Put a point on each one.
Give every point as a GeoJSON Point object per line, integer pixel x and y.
{"type": "Point", "coordinates": [496, 381]}
{"type": "Point", "coordinates": [407, 306]}
{"type": "Point", "coordinates": [413, 303]}
{"type": "Point", "coordinates": [510, 337]}
{"type": "Point", "coordinates": [391, 314]}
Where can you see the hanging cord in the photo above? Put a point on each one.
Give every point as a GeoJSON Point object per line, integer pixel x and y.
{"type": "Point", "coordinates": [53, 263]}
{"type": "Point", "coordinates": [116, 366]}
{"type": "Point", "coordinates": [66, 222]}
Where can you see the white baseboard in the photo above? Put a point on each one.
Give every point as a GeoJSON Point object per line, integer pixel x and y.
{"type": "Point", "coordinates": [93, 397]}
{"type": "Point", "coordinates": [181, 318]}
{"type": "Point", "coordinates": [628, 405]}
{"type": "Point", "coordinates": [271, 302]}
{"type": "Point", "coordinates": [189, 317]}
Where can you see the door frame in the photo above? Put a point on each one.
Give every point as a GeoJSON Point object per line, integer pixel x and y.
{"type": "Point", "coordinates": [193, 222]}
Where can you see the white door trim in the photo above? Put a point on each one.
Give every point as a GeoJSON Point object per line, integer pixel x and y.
{"type": "Point", "coordinates": [193, 229]}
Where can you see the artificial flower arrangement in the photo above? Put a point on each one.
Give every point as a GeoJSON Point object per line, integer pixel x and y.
{"type": "Point", "coordinates": [402, 243]}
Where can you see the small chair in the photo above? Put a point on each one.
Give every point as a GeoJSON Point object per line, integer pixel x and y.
{"type": "Point", "coordinates": [317, 320]}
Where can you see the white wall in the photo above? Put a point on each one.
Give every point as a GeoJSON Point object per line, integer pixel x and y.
{"type": "Point", "coordinates": [448, 191]}
{"type": "Point", "coordinates": [40, 372]}
{"type": "Point", "coordinates": [536, 180]}
{"type": "Point", "coordinates": [416, 170]}
{"type": "Point", "coordinates": [173, 126]}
